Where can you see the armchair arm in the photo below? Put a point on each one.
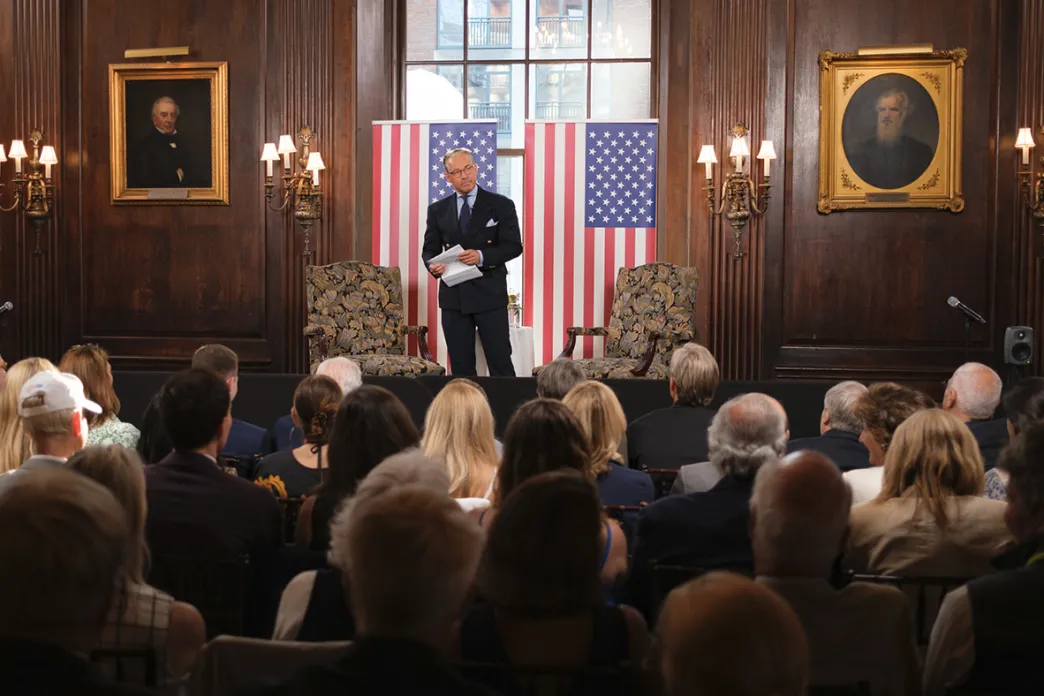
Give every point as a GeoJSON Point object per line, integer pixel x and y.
{"type": "Point", "coordinates": [323, 335]}
{"type": "Point", "coordinates": [647, 359]}
{"type": "Point", "coordinates": [573, 331]}
{"type": "Point", "coordinates": [422, 341]}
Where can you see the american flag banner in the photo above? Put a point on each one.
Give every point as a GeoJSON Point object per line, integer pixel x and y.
{"type": "Point", "coordinates": [407, 178]}
{"type": "Point", "coordinates": [590, 209]}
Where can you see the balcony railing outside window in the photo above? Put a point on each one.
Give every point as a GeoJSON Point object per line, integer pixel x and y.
{"type": "Point", "coordinates": [554, 110]}
{"type": "Point", "coordinates": [501, 111]}
{"type": "Point", "coordinates": [561, 32]}
{"type": "Point", "coordinates": [489, 32]}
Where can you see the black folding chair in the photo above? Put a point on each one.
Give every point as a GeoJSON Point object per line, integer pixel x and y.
{"type": "Point", "coordinates": [925, 594]}
{"type": "Point", "coordinates": [663, 480]}
{"type": "Point", "coordinates": [291, 509]}
{"type": "Point", "coordinates": [619, 512]}
{"type": "Point", "coordinates": [243, 467]}
{"type": "Point", "coordinates": [217, 587]}
{"type": "Point", "coordinates": [135, 666]}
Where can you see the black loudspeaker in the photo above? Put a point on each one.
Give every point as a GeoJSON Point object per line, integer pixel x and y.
{"type": "Point", "coordinates": [1018, 345]}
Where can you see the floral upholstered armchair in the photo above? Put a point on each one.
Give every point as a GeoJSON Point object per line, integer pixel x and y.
{"type": "Point", "coordinates": [355, 310]}
{"type": "Point", "coordinates": [653, 312]}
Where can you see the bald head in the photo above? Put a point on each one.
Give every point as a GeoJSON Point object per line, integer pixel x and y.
{"type": "Point", "coordinates": [725, 635]}
{"type": "Point", "coordinates": [799, 516]}
{"type": "Point", "coordinates": [747, 431]}
{"type": "Point", "coordinates": [973, 392]}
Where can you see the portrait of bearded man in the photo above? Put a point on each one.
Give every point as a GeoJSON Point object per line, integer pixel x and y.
{"type": "Point", "coordinates": [891, 158]}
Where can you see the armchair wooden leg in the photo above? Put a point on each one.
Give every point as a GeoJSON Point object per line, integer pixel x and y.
{"type": "Point", "coordinates": [647, 359]}
{"type": "Point", "coordinates": [567, 352]}
{"type": "Point", "coordinates": [422, 344]}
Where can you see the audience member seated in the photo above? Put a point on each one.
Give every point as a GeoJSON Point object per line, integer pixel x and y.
{"type": "Point", "coordinates": [543, 435]}
{"type": "Point", "coordinates": [724, 635]}
{"type": "Point", "coordinates": [58, 575]}
{"type": "Point", "coordinates": [153, 445]}
{"type": "Point", "coordinates": [988, 633]}
{"type": "Point", "coordinates": [881, 409]}
{"type": "Point", "coordinates": [195, 509]}
{"type": "Point", "coordinates": [459, 432]}
{"type": "Point", "coordinates": [297, 472]}
{"type": "Point", "coordinates": [244, 439]}
{"type": "Point", "coordinates": [413, 555]}
{"type": "Point", "coordinates": [972, 394]}
{"type": "Point", "coordinates": [540, 586]}
{"type": "Point", "coordinates": [90, 363]}
{"type": "Point", "coordinates": [862, 632]}
{"type": "Point", "coordinates": [52, 406]}
{"type": "Point", "coordinates": [557, 378]}
{"type": "Point", "coordinates": [371, 425]}
{"type": "Point", "coordinates": [929, 519]}
{"type": "Point", "coordinates": [3, 372]}
{"type": "Point", "coordinates": [313, 607]}
{"type": "Point", "coordinates": [286, 434]}
{"type": "Point", "coordinates": [14, 446]}
{"type": "Point", "coordinates": [602, 419]}
{"type": "Point", "coordinates": [141, 616]}
{"type": "Point", "coordinates": [710, 529]}
{"type": "Point", "coordinates": [839, 429]}
{"type": "Point", "coordinates": [1024, 405]}
{"type": "Point", "coordinates": [672, 437]}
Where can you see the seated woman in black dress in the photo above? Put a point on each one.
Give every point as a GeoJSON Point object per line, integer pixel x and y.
{"type": "Point", "coordinates": [539, 577]}
{"type": "Point", "coordinates": [296, 472]}
{"type": "Point", "coordinates": [371, 425]}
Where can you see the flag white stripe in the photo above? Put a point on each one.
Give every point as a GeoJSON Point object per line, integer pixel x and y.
{"type": "Point", "coordinates": [558, 236]}
{"type": "Point", "coordinates": [580, 283]}
{"type": "Point", "coordinates": [599, 283]}
{"type": "Point", "coordinates": [385, 231]}
{"type": "Point", "coordinates": [541, 172]}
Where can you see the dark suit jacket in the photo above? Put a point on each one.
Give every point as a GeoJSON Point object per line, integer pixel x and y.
{"type": "Point", "coordinates": [244, 440]}
{"type": "Point", "coordinates": [992, 436]}
{"type": "Point", "coordinates": [36, 669]}
{"type": "Point", "coordinates": [499, 243]}
{"type": "Point", "coordinates": [153, 163]}
{"type": "Point", "coordinates": [669, 437]}
{"type": "Point", "coordinates": [890, 167]}
{"type": "Point", "coordinates": [843, 448]}
{"type": "Point", "coordinates": [284, 435]}
{"type": "Point", "coordinates": [622, 486]}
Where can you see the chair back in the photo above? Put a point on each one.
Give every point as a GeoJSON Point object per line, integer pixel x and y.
{"type": "Point", "coordinates": [619, 512]}
{"type": "Point", "coordinates": [663, 480]}
{"type": "Point", "coordinates": [229, 665]}
{"type": "Point", "coordinates": [137, 666]}
{"type": "Point", "coordinates": [541, 680]}
{"type": "Point", "coordinates": [860, 689]}
{"type": "Point", "coordinates": [291, 509]}
{"type": "Point", "coordinates": [658, 297]}
{"type": "Point", "coordinates": [243, 467]}
{"type": "Point", "coordinates": [925, 594]}
{"type": "Point", "coordinates": [217, 587]}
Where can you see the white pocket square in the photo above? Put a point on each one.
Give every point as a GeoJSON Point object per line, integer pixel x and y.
{"type": "Point", "coordinates": [491, 223]}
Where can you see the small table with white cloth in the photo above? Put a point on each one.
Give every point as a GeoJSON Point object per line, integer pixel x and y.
{"type": "Point", "coordinates": [521, 353]}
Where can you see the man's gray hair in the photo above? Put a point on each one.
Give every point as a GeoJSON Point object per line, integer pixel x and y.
{"type": "Point", "coordinates": [342, 370]}
{"type": "Point", "coordinates": [557, 377]}
{"type": "Point", "coordinates": [978, 389]}
{"type": "Point", "coordinates": [747, 431]}
{"type": "Point", "coordinates": [695, 374]}
{"type": "Point", "coordinates": [457, 151]}
{"type": "Point", "coordinates": [177, 109]}
{"type": "Point", "coordinates": [840, 402]}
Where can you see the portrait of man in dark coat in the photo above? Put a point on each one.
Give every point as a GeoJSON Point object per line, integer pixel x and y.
{"type": "Point", "coordinates": [165, 155]}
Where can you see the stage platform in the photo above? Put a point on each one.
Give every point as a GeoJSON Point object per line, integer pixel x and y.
{"type": "Point", "coordinates": [263, 398]}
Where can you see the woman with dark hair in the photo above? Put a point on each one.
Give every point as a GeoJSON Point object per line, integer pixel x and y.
{"type": "Point", "coordinates": [153, 445]}
{"type": "Point", "coordinates": [371, 425]}
{"type": "Point", "coordinates": [90, 363]}
{"type": "Point", "coordinates": [1024, 404]}
{"type": "Point", "coordinates": [294, 473]}
{"type": "Point", "coordinates": [540, 579]}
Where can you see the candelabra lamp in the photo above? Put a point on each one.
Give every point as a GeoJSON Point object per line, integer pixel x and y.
{"type": "Point", "coordinates": [740, 197]}
{"type": "Point", "coordinates": [33, 188]}
{"type": "Point", "coordinates": [300, 188]}
{"type": "Point", "coordinates": [1032, 186]}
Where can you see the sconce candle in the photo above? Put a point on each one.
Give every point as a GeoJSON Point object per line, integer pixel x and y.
{"type": "Point", "coordinates": [315, 163]}
{"type": "Point", "coordinates": [17, 153]}
{"type": "Point", "coordinates": [766, 154]}
{"type": "Point", "coordinates": [3, 157]}
{"type": "Point", "coordinates": [708, 159]}
{"type": "Point", "coordinates": [1024, 142]}
{"type": "Point", "coordinates": [286, 148]}
{"type": "Point", "coordinates": [301, 187]}
{"type": "Point", "coordinates": [47, 158]}
{"type": "Point", "coordinates": [269, 156]}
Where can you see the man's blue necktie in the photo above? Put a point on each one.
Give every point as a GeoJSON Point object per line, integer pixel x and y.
{"type": "Point", "coordinates": [465, 215]}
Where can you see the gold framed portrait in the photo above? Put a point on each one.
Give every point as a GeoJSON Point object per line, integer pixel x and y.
{"type": "Point", "coordinates": [168, 125]}
{"type": "Point", "coordinates": [890, 130]}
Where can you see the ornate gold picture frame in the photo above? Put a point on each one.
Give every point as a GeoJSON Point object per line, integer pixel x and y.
{"type": "Point", "coordinates": [168, 125]}
{"type": "Point", "coordinates": [890, 130]}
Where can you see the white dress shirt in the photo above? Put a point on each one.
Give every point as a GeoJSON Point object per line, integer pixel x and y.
{"type": "Point", "coordinates": [951, 654]}
{"type": "Point", "coordinates": [865, 483]}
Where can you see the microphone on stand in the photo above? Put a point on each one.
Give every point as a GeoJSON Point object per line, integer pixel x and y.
{"type": "Point", "coordinates": [6, 307]}
{"type": "Point", "coordinates": [965, 309]}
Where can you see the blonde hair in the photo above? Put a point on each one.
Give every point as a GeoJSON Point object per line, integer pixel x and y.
{"type": "Point", "coordinates": [13, 446]}
{"type": "Point", "coordinates": [695, 374]}
{"type": "Point", "coordinates": [602, 419]}
{"type": "Point", "coordinates": [934, 456]}
{"type": "Point", "coordinates": [458, 431]}
{"type": "Point", "coordinates": [120, 470]}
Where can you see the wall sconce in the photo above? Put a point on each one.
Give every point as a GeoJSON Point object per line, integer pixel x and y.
{"type": "Point", "coordinates": [740, 198]}
{"type": "Point", "coordinates": [299, 187]}
{"type": "Point", "coordinates": [1034, 192]}
{"type": "Point", "coordinates": [33, 189]}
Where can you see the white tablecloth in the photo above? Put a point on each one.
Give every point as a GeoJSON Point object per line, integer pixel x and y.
{"type": "Point", "coordinates": [521, 353]}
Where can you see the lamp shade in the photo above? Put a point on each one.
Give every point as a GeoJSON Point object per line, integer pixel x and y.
{"type": "Point", "coordinates": [47, 155]}
{"type": "Point", "coordinates": [767, 151]}
{"type": "Point", "coordinates": [17, 149]}
{"type": "Point", "coordinates": [286, 145]}
{"type": "Point", "coordinates": [269, 154]}
{"type": "Point", "coordinates": [3, 155]}
{"type": "Point", "coordinates": [1025, 138]}
{"type": "Point", "coordinates": [707, 155]}
{"type": "Point", "coordinates": [739, 148]}
{"type": "Point", "coordinates": [315, 161]}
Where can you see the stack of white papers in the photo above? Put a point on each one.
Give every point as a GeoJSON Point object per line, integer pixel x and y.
{"type": "Point", "coordinates": [456, 271]}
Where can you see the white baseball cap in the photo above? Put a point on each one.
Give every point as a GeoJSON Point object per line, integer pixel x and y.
{"type": "Point", "coordinates": [61, 391]}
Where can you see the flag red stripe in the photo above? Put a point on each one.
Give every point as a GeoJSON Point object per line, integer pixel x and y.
{"type": "Point", "coordinates": [375, 251]}
{"type": "Point", "coordinates": [527, 248]}
{"type": "Point", "coordinates": [393, 188]}
{"type": "Point", "coordinates": [610, 275]}
{"type": "Point", "coordinates": [570, 203]}
{"type": "Point", "coordinates": [650, 245]}
{"type": "Point", "coordinates": [629, 247]}
{"type": "Point", "coordinates": [550, 239]}
{"type": "Point", "coordinates": [589, 275]}
{"type": "Point", "coordinates": [414, 255]}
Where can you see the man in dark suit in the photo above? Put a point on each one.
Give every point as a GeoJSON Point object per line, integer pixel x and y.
{"type": "Point", "coordinates": [486, 226]}
{"type": "Point", "coordinates": [244, 440]}
{"type": "Point", "coordinates": [973, 394]}
{"type": "Point", "coordinates": [891, 159]}
{"type": "Point", "coordinates": [839, 429]}
{"type": "Point", "coordinates": [709, 529]}
{"type": "Point", "coordinates": [163, 158]}
{"type": "Point", "coordinates": [194, 507]}
{"type": "Point", "coordinates": [672, 437]}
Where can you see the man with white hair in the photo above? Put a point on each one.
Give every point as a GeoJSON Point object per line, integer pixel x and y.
{"type": "Point", "coordinates": [284, 435]}
{"type": "Point", "coordinates": [799, 528]}
{"type": "Point", "coordinates": [972, 394]}
{"type": "Point", "coordinates": [52, 405]}
{"type": "Point", "coordinates": [839, 429]}
{"type": "Point", "coordinates": [709, 529]}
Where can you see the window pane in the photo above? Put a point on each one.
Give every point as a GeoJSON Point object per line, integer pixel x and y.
{"type": "Point", "coordinates": [434, 92]}
{"type": "Point", "coordinates": [496, 29]}
{"type": "Point", "coordinates": [509, 183]}
{"type": "Point", "coordinates": [558, 91]}
{"type": "Point", "coordinates": [621, 28]}
{"type": "Point", "coordinates": [498, 92]}
{"type": "Point", "coordinates": [620, 90]}
{"type": "Point", "coordinates": [434, 30]}
{"type": "Point", "coordinates": [558, 29]}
